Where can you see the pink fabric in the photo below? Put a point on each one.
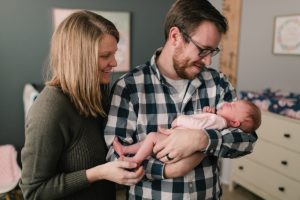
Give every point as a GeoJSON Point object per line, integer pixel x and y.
{"type": "Point", "coordinates": [200, 121]}
{"type": "Point", "coordinates": [10, 172]}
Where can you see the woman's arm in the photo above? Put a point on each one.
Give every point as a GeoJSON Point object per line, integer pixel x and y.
{"type": "Point", "coordinates": [47, 138]}
{"type": "Point", "coordinates": [41, 154]}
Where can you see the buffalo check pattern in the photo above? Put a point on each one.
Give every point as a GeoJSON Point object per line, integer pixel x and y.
{"type": "Point", "coordinates": [142, 101]}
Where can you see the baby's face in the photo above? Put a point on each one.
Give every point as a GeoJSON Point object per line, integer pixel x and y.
{"type": "Point", "coordinates": [233, 110]}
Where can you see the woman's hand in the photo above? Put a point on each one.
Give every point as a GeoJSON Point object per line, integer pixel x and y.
{"type": "Point", "coordinates": [179, 144]}
{"type": "Point", "coordinates": [209, 109]}
{"type": "Point", "coordinates": [117, 171]}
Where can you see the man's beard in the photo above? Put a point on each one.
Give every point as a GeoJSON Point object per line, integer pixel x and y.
{"type": "Point", "coordinates": [180, 67]}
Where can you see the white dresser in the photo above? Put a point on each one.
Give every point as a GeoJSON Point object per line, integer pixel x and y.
{"type": "Point", "coordinates": [272, 171]}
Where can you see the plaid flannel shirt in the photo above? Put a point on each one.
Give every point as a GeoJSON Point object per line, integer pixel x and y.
{"type": "Point", "coordinates": [142, 100]}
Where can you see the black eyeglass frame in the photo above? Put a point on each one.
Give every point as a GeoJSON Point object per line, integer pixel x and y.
{"type": "Point", "coordinates": [202, 51]}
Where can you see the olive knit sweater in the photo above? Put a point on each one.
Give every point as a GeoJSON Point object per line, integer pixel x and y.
{"type": "Point", "coordinates": [60, 144]}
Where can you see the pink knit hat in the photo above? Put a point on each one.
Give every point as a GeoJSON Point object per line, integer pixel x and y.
{"type": "Point", "coordinates": [10, 172]}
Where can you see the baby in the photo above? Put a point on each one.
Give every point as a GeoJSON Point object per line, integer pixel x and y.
{"type": "Point", "coordinates": [241, 114]}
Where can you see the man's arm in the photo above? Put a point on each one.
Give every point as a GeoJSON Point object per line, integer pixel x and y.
{"type": "Point", "coordinates": [183, 166]}
{"type": "Point", "coordinates": [231, 142]}
{"type": "Point", "coordinates": [122, 123]}
{"type": "Point", "coordinates": [180, 143]}
{"type": "Point", "coordinates": [228, 143]}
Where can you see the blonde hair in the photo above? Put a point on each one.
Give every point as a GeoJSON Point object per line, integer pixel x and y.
{"type": "Point", "coordinates": [73, 60]}
{"type": "Point", "coordinates": [253, 118]}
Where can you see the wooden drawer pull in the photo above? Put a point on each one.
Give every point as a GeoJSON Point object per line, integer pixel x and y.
{"type": "Point", "coordinates": [281, 189]}
{"type": "Point", "coordinates": [287, 135]}
{"type": "Point", "coordinates": [284, 162]}
{"type": "Point", "coordinates": [241, 167]}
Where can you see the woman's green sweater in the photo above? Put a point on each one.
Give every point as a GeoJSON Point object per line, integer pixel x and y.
{"type": "Point", "coordinates": [60, 144]}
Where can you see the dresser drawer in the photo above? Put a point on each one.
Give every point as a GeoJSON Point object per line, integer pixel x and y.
{"type": "Point", "coordinates": [277, 158]}
{"type": "Point", "coordinates": [272, 183]}
{"type": "Point", "coordinates": [280, 130]}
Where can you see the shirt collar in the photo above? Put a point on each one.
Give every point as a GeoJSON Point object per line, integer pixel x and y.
{"type": "Point", "coordinates": [155, 68]}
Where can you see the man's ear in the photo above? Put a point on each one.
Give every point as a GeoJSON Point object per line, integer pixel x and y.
{"type": "Point", "coordinates": [234, 123]}
{"type": "Point", "coordinates": [174, 35]}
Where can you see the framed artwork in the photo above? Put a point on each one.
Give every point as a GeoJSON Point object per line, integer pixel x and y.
{"type": "Point", "coordinates": [121, 21]}
{"type": "Point", "coordinates": [287, 35]}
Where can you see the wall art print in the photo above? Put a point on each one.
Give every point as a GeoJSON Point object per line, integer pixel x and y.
{"type": "Point", "coordinates": [287, 35]}
{"type": "Point", "coordinates": [121, 21]}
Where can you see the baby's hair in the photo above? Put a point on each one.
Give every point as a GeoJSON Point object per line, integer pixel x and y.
{"type": "Point", "coordinates": [253, 120]}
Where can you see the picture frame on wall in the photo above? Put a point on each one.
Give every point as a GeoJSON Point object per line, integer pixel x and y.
{"type": "Point", "coordinates": [122, 23]}
{"type": "Point", "coordinates": [286, 38]}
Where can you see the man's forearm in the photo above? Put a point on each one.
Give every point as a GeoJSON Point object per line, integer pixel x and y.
{"type": "Point", "coordinates": [183, 166]}
{"type": "Point", "coordinates": [230, 143]}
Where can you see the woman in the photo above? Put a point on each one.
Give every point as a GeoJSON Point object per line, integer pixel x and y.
{"type": "Point", "coordinates": [64, 152]}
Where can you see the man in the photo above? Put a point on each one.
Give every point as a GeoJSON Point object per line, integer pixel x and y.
{"type": "Point", "coordinates": [176, 81]}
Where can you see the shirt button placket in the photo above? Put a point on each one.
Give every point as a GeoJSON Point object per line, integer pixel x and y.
{"type": "Point", "coordinates": [192, 191]}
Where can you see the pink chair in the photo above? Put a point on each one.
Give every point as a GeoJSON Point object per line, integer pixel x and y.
{"type": "Point", "coordinates": [10, 171]}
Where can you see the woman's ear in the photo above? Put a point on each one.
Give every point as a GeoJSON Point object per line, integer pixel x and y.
{"type": "Point", "coordinates": [234, 123]}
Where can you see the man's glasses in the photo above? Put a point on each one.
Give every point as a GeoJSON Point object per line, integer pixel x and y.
{"type": "Point", "coordinates": [202, 52]}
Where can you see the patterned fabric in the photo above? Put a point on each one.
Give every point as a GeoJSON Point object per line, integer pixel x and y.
{"type": "Point", "coordinates": [142, 101]}
{"type": "Point", "coordinates": [15, 194]}
{"type": "Point", "coordinates": [276, 101]}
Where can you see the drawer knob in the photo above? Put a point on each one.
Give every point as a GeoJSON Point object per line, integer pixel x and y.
{"type": "Point", "coordinates": [241, 167]}
{"type": "Point", "coordinates": [281, 189]}
{"type": "Point", "coordinates": [284, 162]}
{"type": "Point", "coordinates": [287, 135]}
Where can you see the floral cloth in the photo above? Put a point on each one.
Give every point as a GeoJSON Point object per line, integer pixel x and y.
{"type": "Point", "coordinates": [276, 101]}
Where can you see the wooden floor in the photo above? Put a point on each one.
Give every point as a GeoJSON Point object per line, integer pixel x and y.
{"type": "Point", "coordinates": [239, 193]}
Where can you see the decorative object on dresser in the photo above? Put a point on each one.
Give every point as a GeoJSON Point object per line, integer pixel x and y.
{"type": "Point", "coordinates": [272, 170]}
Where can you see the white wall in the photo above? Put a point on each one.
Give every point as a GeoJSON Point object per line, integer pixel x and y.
{"type": "Point", "coordinates": [258, 67]}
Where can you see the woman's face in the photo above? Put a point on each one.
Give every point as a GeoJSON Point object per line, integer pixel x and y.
{"type": "Point", "coordinates": [106, 57]}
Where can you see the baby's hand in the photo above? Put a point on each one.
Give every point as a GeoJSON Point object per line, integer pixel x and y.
{"type": "Point", "coordinates": [174, 123]}
{"type": "Point", "coordinates": [209, 109]}
{"type": "Point", "coordinates": [118, 147]}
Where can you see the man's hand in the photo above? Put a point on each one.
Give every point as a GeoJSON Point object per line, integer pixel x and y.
{"type": "Point", "coordinates": [179, 144]}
